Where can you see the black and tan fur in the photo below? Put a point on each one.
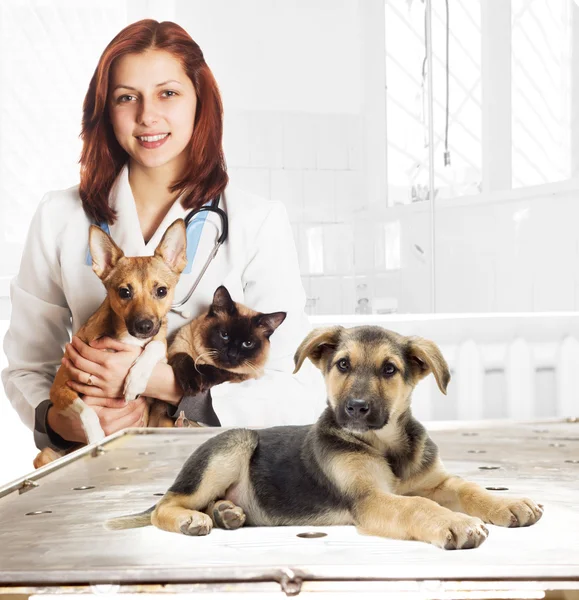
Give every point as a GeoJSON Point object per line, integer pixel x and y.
{"type": "Point", "coordinates": [139, 295]}
{"type": "Point", "coordinates": [201, 358]}
{"type": "Point", "coordinates": [366, 462]}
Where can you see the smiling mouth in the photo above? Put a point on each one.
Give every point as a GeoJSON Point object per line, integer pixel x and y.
{"type": "Point", "coordinates": [150, 142]}
{"type": "Point", "coordinates": [152, 138]}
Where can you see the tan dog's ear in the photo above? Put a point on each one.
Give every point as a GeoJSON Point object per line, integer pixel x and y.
{"type": "Point", "coordinates": [172, 248]}
{"type": "Point", "coordinates": [425, 358]}
{"type": "Point", "coordinates": [104, 252]}
{"type": "Point", "coordinates": [315, 344]}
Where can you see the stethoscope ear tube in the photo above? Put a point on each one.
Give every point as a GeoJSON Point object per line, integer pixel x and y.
{"type": "Point", "coordinates": [222, 216]}
{"type": "Point", "coordinates": [224, 233]}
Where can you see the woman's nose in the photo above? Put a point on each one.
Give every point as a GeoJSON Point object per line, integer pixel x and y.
{"type": "Point", "coordinates": [148, 113]}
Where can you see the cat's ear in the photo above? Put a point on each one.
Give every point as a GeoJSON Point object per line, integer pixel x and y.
{"type": "Point", "coordinates": [222, 303]}
{"type": "Point", "coordinates": [270, 322]}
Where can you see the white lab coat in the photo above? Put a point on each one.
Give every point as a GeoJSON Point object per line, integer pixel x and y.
{"type": "Point", "coordinates": [55, 290]}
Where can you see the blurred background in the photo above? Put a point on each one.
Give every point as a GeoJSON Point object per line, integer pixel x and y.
{"type": "Point", "coordinates": [327, 107]}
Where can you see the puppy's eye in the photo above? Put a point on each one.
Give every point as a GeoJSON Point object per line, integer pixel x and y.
{"type": "Point", "coordinates": [389, 369]}
{"type": "Point", "coordinates": [343, 365]}
{"type": "Point", "coordinates": [247, 344]}
{"type": "Point", "coordinates": [161, 292]}
{"type": "Point", "coordinates": [224, 335]}
{"type": "Point", "coordinates": [125, 293]}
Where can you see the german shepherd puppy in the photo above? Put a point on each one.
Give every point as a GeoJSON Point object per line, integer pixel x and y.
{"type": "Point", "coordinates": [366, 462]}
{"type": "Point", "coordinates": [139, 294]}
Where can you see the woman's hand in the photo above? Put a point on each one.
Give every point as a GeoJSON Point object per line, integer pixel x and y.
{"type": "Point", "coordinates": [114, 414]}
{"type": "Point", "coordinates": [97, 371]}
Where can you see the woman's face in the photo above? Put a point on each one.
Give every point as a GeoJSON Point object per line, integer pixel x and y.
{"type": "Point", "coordinates": [152, 106]}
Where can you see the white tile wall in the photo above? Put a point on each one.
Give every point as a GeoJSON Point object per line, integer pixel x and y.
{"type": "Point", "coordinates": [299, 141]}
{"type": "Point", "coordinates": [265, 140]}
{"type": "Point", "coordinates": [331, 142]}
{"type": "Point", "coordinates": [287, 185]}
{"type": "Point", "coordinates": [506, 256]}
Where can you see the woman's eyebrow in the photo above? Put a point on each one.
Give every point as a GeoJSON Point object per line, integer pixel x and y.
{"type": "Point", "coordinates": [128, 87]}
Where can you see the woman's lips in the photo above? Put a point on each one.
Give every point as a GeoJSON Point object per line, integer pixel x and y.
{"type": "Point", "coordinates": [150, 145]}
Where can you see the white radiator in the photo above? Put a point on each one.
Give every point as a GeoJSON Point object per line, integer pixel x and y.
{"type": "Point", "coordinates": [520, 366]}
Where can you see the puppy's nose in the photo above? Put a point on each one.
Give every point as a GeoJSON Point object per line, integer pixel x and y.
{"type": "Point", "coordinates": [357, 409]}
{"type": "Point", "coordinates": [144, 326]}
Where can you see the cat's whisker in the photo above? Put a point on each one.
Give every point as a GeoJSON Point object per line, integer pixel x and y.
{"type": "Point", "coordinates": [249, 364]}
{"type": "Point", "coordinates": [211, 353]}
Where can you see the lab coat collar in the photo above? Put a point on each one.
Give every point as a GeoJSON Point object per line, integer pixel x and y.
{"type": "Point", "coordinates": [126, 230]}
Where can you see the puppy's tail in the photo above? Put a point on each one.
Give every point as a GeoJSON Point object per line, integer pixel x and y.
{"type": "Point", "coordinates": [141, 519]}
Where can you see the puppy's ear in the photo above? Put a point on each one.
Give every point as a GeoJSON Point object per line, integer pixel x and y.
{"type": "Point", "coordinates": [425, 357]}
{"type": "Point", "coordinates": [172, 248]}
{"type": "Point", "coordinates": [104, 252]}
{"type": "Point", "coordinates": [317, 343]}
{"type": "Point", "coordinates": [270, 321]}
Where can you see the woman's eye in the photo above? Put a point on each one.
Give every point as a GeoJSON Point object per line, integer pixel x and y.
{"type": "Point", "coordinates": [343, 365]}
{"type": "Point", "coordinates": [161, 292]}
{"type": "Point", "coordinates": [125, 293]}
{"type": "Point", "coordinates": [389, 369]}
{"type": "Point", "coordinates": [224, 335]}
{"type": "Point", "coordinates": [247, 344]}
{"type": "Point", "coordinates": [124, 98]}
{"type": "Point", "coordinates": [170, 93]}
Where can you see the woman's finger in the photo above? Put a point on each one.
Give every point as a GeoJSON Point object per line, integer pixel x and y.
{"type": "Point", "coordinates": [86, 390]}
{"type": "Point", "coordinates": [109, 343]}
{"type": "Point", "coordinates": [100, 402]}
{"type": "Point", "coordinates": [86, 352]}
{"type": "Point", "coordinates": [79, 376]}
{"type": "Point", "coordinates": [133, 419]}
{"type": "Point", "coordinates": [82, 363]}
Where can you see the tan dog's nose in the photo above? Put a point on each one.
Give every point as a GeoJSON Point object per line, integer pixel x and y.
{"type": "Point", "coordinates": [144, 326]}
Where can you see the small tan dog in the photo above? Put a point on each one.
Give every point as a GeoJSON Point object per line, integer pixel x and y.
{"type": "Point", "coordinates": [139, 295]}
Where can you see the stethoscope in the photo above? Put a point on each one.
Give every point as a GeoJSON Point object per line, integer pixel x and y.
{"type": "Point", "coordinates": [176, 307]}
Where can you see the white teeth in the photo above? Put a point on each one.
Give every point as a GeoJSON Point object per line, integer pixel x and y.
{"type": "Point", "coordinates": [152, 138]}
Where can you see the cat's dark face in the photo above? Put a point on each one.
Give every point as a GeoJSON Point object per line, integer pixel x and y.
{"type": "Point", "coordinates": [238, 337]}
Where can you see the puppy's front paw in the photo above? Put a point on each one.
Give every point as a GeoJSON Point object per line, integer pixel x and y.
{"type": "Point", "coordinates": [135, 383]}
{"type": "Point", "coordinates": [514, 512]}
{"type": "Point", "coordinates": [196, 524]}
{"type": "Point", "coordinates": [460, 532]}
{"type": "Point", "coordinates": [138, 377]}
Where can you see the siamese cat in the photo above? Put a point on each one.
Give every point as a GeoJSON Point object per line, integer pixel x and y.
{"type": "Point", "coordinates": [230, 342]}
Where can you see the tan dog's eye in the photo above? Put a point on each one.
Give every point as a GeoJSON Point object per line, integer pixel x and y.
{"type": "Point", "coordinates": [343, 365]}
{"type": "Point", "coordinates": [161, 292]}
{"type": "Point", "coordinates": [125, 293]}
{"type": "Point", "coordinates": [389, 369]}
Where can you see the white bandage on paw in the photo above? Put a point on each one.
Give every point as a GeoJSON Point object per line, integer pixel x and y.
{"type": "Point", "coordinates": [138, 377]}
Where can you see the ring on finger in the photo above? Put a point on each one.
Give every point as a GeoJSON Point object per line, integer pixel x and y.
{"type": "Point", "coordinates": [89, 380]}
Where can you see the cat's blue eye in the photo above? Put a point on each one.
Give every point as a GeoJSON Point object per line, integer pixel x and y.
{"type": "Point", "coordinates": [224, 335]}
{"type": "Point", "coordinates": [247, 344]}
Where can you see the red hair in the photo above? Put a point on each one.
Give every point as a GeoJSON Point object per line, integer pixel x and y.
{"type": "Point", "coordinates": [102, 157]}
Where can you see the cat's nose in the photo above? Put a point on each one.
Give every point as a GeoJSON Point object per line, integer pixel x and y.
{"type": "Point", "coordinates": [232, 353]}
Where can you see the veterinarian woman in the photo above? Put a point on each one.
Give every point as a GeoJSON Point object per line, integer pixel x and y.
{"type": "Point", "coordinates": [152, 152]}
